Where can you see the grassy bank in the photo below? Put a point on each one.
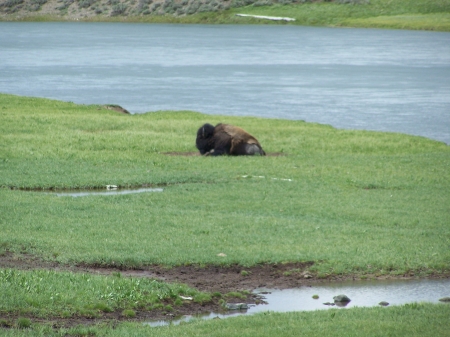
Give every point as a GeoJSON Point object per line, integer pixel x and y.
{"type": "Point", "coordinates": [352, 202]}
{"type": "Point", "coordinates": [46, 293]}
{"type": "Point", "coordinates": [403, 14]}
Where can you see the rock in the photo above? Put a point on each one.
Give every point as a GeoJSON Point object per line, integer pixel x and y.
{"type": "Point", "coordinates": [445, 299]}
{"type": "Point", "coordinates": [116, 107]}
{"type": "Point", "coordinates": [384, 303]}
{"type": "Point", "coordinates": [236, 306]}
{"type": "Point", "coordinates": [341, 298]}
{"type": "Point", "coordinates": [341, 304]}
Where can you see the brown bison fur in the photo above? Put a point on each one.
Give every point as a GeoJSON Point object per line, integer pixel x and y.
{"type": "Point", "coordinates": [226, 139]}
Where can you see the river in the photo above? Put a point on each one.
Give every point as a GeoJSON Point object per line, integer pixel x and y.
{"type": "Point", "coordinates": [372, 79]}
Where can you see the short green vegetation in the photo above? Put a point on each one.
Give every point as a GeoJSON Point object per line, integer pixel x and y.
{"type": "Point", "coordinates": [23, 323]}
{"type": "Point", "coordinates": [43, 293]}
{"type": "Point", "coordinates": [404, 14]}
{"type": "Point", "coordinates": [352, 202]}
{"type": "Point", "coordinates": [129, 313]}
{"type": "Point", "coordinates": [418, 320]}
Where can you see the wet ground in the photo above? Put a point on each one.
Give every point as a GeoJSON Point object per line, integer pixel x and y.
{"type": "Point", "coordinates": [196, 153]}
{"type": "Point", "coordinates": [109, 191]}
{"type": "Point", "coordinates": [363, 293]}
{"type": "Point", "coordinates": [266, 280]}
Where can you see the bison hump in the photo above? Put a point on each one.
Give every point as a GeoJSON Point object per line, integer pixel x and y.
{"type": "Point", "coordinates": [238, 134]}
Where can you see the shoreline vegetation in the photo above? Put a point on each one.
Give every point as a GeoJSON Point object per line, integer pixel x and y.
{"type": "Point", "coordinates": [398, 14]}
{"type": "Point", "coordinates": [332, 204]}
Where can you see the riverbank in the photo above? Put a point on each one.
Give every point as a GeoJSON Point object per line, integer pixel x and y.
{"type": "Point", "coordinates": [317, 186]}
{"type": "Point", "coordinates": [400, 14]}
{"type": "Point", "coordinates": [324, 204]}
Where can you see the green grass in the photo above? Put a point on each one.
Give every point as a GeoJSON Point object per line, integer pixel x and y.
{"type": "Point", "coordinates": [356, 202]}
{"type": "Point", "coordinates": [409, 320]}
{"type": "Point", "coordinates": [404, 14]}
{"type": "Point", "coordinates": [353, 202]}
{"type": "Point", "coordinates": [439, 21]}
{"type": "Point", "coordinates": [43, 293]}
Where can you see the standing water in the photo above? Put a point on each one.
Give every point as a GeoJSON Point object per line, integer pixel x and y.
{"type": "Point", "coordinates": [361, 294]}
{"type": "Point", "coordinates": [386, 80]}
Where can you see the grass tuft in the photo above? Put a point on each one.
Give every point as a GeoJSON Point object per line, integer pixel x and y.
{"type": "Point", "coordinates": [23, 323]}
{"type": "Point", "coordinates": [129, 313]}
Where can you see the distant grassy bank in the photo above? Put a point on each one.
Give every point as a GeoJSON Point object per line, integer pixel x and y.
{"type": "Point", "coordinates": [399, 14]}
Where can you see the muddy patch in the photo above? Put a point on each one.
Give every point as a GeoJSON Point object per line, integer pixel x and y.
{"type": "Point", "coordinates": [221, 279]}
{"type": "Point", "coordinates": [197, 154]}
{"type": "Point", "coordinates": [116, 107]}
{"type": "Point", "coordinates": [208, 278]}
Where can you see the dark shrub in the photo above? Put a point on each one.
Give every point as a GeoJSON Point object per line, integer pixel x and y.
{"type": "Point", "coordinates": [118, 9]}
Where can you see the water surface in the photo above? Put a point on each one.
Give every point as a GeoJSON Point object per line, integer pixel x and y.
{"type": "Point", "coordinates": [388, 80]}
{"type": "Point", "coordinates": [86, 193]}
{"type": "Point", "coordinates": [361, 293]}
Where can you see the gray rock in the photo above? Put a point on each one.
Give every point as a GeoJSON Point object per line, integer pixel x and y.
{"type": "Point", "coordinates": [236, 306]}
{"type": "Point", "coordinates": [384, 303]}
{"type": "Point", "coordinates": [341, 298]}
{"type": "Point", "coordinates": [341, 304]}
{"type": "Point", "coordinates": [445, 299]}
{"type": "Point", "coordinates": [116, 107]}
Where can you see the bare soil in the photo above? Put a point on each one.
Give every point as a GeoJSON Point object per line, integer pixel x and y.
{"type": "Point", "coordinates": [196, 153]}
{"type": "Point", "coordinates": [222, 279]}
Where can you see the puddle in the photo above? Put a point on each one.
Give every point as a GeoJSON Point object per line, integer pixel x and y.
{"type": "Point", "coordinates": [85, 193]}
{"type": "Point", "coordinates": [361, 293]}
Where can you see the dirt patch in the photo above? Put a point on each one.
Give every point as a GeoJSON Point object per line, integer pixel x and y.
{"type": "Point", "coordinates": [221, 279]}
{"type": "Point", "coordinates": [224, 279]}
{"type": "Point", "coordinates": [196, 153]}
{"type": "Point", "coordinates": [117, 108]}
{"type": "Point", "coordinates": [185, 154]}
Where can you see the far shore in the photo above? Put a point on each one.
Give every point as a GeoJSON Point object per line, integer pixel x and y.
{"type": "Point", "coordinates": [417, 15]}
